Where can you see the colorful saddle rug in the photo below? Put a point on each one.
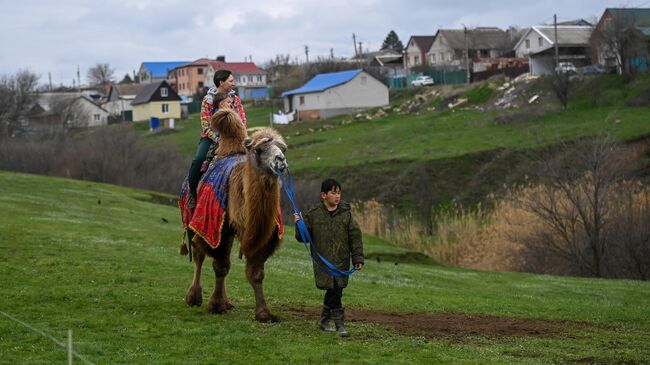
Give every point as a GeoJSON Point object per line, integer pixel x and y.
{"type": "Point", "coordinates": [209, 215]}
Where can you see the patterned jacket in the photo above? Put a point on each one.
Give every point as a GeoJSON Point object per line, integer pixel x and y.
{"type": "Point", "coordinates": [208, 108]}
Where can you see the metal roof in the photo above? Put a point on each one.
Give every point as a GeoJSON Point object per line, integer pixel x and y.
{"type": "Point", "coordinates": [322, 82]}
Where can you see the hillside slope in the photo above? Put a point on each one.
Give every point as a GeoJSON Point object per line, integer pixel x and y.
{"type": "Point", "coordinates": [103, 261]}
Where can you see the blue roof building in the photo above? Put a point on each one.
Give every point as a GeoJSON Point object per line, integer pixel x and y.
{"type": "Point", "coordinates": [157, 71]}
{"type": "Point", "coordinates": [336, 93]}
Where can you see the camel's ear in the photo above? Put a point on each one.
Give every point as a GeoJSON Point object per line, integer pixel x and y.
{"type": "Point", "coordinates": [248, 144]}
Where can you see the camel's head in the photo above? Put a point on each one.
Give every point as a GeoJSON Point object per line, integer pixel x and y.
{"type": "Point", "coordinates": [267, 148]}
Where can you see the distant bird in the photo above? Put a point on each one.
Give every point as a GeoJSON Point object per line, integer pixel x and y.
{"type": "Point", "coordinates": [164, 220]}
{"type": "Point", "coordinates": [99, 202]}
{"type": "Point", "coordinates": [378, 259]}
{"type": "Point", "coordinates": [395, 263]}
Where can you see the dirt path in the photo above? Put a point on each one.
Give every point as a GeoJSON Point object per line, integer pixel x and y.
{"type": "Point", "coordinates": [452, 327]}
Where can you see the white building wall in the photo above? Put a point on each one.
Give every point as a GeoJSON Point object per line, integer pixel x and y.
{"type": "Point", "coordinates": [363, 91]}
{"type": "Point", "coordinates": [533, 38]}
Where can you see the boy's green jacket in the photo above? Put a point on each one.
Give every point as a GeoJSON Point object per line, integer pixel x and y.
{"type": "Point", "coordinates": [337, 238]}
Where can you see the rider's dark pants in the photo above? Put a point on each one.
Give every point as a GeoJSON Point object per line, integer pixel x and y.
{"type": "Point", "coordinates": [195, 169]}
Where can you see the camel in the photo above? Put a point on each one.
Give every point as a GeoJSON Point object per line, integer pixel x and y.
{"type": "Point", "coordinates": [252, 213]}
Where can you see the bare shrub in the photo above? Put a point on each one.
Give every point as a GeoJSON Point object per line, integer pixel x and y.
{"type": "Point", "coordinates": [110, 154]}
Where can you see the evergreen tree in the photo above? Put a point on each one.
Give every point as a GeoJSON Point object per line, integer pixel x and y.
{"type": "Point", "coordinates": [392, 42]}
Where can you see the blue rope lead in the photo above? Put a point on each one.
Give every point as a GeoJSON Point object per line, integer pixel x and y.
{"type": "Point", "coordinates": [328, 267]}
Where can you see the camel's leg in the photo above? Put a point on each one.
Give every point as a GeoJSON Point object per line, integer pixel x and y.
{"type": "Point", "coordinates": [194, 296]}
{"type": "Point", "coordinates": [219, 302]}
{"type": "Point", "coordinates": [255, 276]}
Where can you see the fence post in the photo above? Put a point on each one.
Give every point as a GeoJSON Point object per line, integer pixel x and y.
{"type": "Point", "coordinates": [69, 347]}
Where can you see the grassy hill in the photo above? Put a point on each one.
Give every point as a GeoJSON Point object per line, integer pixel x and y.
{"type": "Point", "coordinates": [429, 158]}
{"type": "Point", "coordinates": [103, 261]}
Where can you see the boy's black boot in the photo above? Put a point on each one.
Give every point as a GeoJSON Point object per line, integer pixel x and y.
{"type": "Point", "coordinates": [323, 322]}
{"type": "Point", "coordinates": [338, 315]}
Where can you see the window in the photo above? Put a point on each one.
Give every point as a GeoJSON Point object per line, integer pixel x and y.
{"type": "Point", "coordinates": [527, 43]}
{"type": "Point", "coordinates": [302, 100]}
{"type": "Point", "coordinates": [96, 117]}
{"type": "Point", "coordinates": [364, 80]}
{"type": "Point", "coordinates": [259, 78]}
{"type": "Point", "coordinates": [163, 92]}
{"type": "Point", "coordinates": [165, 108]}
{"type": "Point", "coordinates": [199, 71]}
{"type": "Point", "coordinates": [244, 79]}
{"type": "Point", "coordinates": [442, 56]}
{"type": "Point", "coordinates": [200, 84]}
{"type": "Point", "coordinates": [416, 60]}
{"type": "Point", "coordinates": [540, 42]}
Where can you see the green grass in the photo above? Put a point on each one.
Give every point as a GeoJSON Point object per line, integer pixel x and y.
{"type": "Point", "coordinates": [442, 135]}
{"type": "Point", "coordinates": [100, 260]}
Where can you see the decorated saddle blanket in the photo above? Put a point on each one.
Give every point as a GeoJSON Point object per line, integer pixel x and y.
{"type": "Point", "coordinates": [209, 215]}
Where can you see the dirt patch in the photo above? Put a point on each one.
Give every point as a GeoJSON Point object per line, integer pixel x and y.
{"type": "Point", "coordinates": [453, 327]}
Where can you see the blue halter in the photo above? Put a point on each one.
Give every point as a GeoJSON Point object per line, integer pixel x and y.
{"type": "Point", "coordinates": [318, 259]}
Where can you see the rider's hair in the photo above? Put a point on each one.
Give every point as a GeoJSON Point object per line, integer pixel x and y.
{"type": "Point", "coordinates": [220, 76]}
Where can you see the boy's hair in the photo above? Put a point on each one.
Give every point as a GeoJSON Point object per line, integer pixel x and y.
{"type": "Point", "coordinates": [219, 97]}
{"type": "Point", "coordinates": [329, 185]}
{"type": "Point", "coordinates": [220, 76]}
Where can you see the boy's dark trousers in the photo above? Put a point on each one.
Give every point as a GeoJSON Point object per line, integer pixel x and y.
{"type": "Point", "coordinates": [333, 297]}
{"type": "Point", "coordinates": [194, 176]}
{"type": "Point", "coordinates": [333, 308]}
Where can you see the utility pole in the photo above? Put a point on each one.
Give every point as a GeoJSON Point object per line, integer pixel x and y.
{"type": "Point", "coordinates": [307, 53]}
{"type": "Point", "coordinates": [332, 53]}
{"type": "Point", "coordinates": [354, 43]}
{"type": "Point", "coordinates": [466, 55]}
{"type": "Point", "coordinates": [360, 49]}
{"type": "Point", "coordinates": [49, 76]}
{"type": "Point", "coordinates": [557, 50]}
{"type": "Point", "coordinates": [78, 78]}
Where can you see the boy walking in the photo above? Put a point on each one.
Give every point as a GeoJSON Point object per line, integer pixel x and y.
{"type": "Point", "coordinates": [337, 238]}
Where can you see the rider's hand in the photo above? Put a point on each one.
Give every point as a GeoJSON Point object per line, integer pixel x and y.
{"type": "Point", "coordinates": [297, 217]}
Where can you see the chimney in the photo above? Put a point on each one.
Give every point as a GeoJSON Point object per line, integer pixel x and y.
{"type": "Point", "coordinates": [221, 58]}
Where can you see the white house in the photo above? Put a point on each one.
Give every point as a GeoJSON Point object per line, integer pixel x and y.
{"type": "Point", "coordinates": [538, 44]}
{"type": "Point", "coordinates": [416, 50]}
{"type": "Point", "coordinates": [119, 100]}
{"type": "Point", "coordinates": [449, 46]}
{"type": "Point", "coordinates": [336, 93]}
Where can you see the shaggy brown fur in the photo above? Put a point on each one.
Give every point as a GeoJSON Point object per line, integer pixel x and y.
{"type": "Point", "coordinates": [232, 131]}
{"type": "Point", "coordinates": [253, 198]}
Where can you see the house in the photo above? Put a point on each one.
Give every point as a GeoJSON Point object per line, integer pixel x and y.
{"type": "Point", "coordinates": [538, 45]}
{"type": "Point", "coordinates": [119, 98]}
{"type": "Point", "coordinates": [618, 27]}
{"type": "Point", "coordinates": [156, 100]}
{"type": "Point", "coordinates": [195, 77]}
{"type": "Point", "coordinates": [450, 45]}
{"type": "Point", "coordinates": [416, 49]}
{"type": "Point", "coordinates": [156, 71]}
{"type": "Point", "coordinates": [58, 112]}
{"type": "Point", "coordinates": [336, 93]}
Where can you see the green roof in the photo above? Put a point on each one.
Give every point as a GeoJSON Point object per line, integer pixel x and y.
{"type": "Point", "coordinates": [641, 16]}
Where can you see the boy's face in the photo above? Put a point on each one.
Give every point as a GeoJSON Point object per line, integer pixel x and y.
{"type": "Point", "coordinates": [332, 198]}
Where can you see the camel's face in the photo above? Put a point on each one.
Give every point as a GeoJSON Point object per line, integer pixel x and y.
{"type": "Point", "coordinates": [268, 153]}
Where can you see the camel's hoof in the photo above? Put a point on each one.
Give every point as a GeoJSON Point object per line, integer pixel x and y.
{"type": "Point", "coordinates": [229, 305]}
{"type": "Point", "coordinates": [217, 308]}
{"type": "Point", "coordinates": [194, 298]}
{"type": "Point", "coordinates": [267, 318]}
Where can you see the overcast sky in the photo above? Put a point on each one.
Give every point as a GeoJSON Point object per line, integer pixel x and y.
{"type": "Point", "coordinates": [56, 36]}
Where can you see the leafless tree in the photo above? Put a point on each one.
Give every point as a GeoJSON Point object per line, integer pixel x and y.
{"type": "Point", "coordinates": [563, 83]}
{"type": "Point", "coordinates": [16, 97]}
{"type": "Point", "coordinates": [619, 39]}
{"type": "Point", "coordinates": [578, 201]}
{"type": "Point", "coordinates": [68, 112]}
{"type": "Point", "coordinates": [100, 74]}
